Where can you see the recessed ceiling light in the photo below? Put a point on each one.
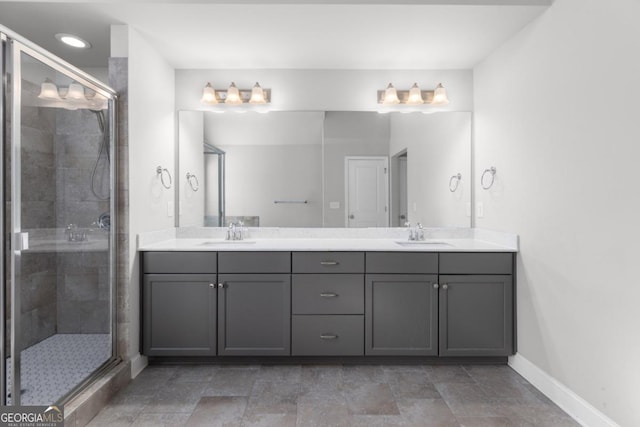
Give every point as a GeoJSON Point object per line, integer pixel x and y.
{"type": "Point", "coordinates": [74, 41]}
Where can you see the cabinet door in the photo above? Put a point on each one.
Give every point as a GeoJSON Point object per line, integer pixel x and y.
{"type": "Point", "coordinates": [401, 315]}
{"type": "Point", "coordinates": [254, 314]}
{"type": "Point", "coordinates": [476, 315]}
{"type": "Point", "coordinates": [179, 315]}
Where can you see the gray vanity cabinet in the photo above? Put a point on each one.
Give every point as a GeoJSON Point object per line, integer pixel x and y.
{"type": "Point", "coordinates": [401, 314]}
{"type": "Point", "coordinates": [254, 310]}
{"type": "Point", "coordinates": [179, 303]}
{"type": "Point", "coordinates": [476, 304]}
{"type": "Point", "coordinates": [179, 314]}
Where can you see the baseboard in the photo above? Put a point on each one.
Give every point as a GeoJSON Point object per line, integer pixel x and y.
{"type": "Point", "coordinates": [581, 410]}
{"type": "Point", "coordinates": [138, 363]}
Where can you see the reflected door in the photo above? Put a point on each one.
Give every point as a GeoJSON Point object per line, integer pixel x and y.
{"type": "Point", "coordinates": [61, 323]}
{"type": "Point", "coordinates": [367, 191]}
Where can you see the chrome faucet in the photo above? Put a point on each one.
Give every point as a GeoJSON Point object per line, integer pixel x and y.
{"type": "Point", "coordinates": [73, 235]}
{"type": "Point", "coordinates": [415, 233]}
{"type": "Point", "coordinates": [236, 231]}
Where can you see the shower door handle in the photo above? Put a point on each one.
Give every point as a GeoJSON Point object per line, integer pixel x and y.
{"type": "Point", "coordinates": [22, 241]}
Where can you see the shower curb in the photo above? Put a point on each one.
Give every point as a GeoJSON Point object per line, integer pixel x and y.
{"type": "Point", "coordinates": [80, 410]}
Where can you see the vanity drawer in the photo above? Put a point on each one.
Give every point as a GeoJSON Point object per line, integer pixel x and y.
{"type": "Point", "coordinates": [254, 262]}
{"type": "Point", "coordinates": [327, 335]}
{"type": "Point", "coordinates": [179, 262]}
{"type": "Point", "coordinates": [327, 294]}
{"type": "Point", "coordinates": [402, 262]}
{"type": "Point", "coordinates": [328, 262]}
{"type": "Point", "coordinates": [476, 263]}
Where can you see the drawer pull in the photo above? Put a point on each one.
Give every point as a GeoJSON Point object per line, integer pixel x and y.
{"type": "Point", "coordinates": [329, 295]}
{"type": "Point", "coordinates": [328, 337]}
{"type": "Point", "coordinates": [327, 263]}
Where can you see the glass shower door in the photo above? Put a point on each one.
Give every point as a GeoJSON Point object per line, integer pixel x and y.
{"type": "Point", "coordinates": [61, 266]}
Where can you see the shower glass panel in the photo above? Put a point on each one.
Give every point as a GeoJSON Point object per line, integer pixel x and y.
{"type": "Point", "coordinates": [59, 317]}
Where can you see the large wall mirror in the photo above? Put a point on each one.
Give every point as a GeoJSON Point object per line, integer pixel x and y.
{"type": "Point", "coordinates": [324, 169]}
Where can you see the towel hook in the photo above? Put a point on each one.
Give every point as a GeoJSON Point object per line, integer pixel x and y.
{"type": "Point", "coordinates": [492, 172]}
{"type": "Point", "coordinates": [455, 179]}
{"type": "Point", "coordinates": [161, 171]}
{"type": "Point", "coordinates": [191, 178]}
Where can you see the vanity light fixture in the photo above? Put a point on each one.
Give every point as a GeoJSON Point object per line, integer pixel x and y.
{"type": "Point", "coordinates": [440, 96]}
{"type": "Point", "coordinates": [49, 91]}
{"type": "Point", "coordinates": [390, 96]}
{"type": "Point", "coordinates": [75, 92]}
{"type": "Point", "coordinates": [73, 41]}
{"type": "Point", "coordinates": [209, 95]}
{"type": "Point", "coordinates": [235, 96]}
{"type": "Point", "coordinates": [257, 95]}
{"type": "Point", "coordinates": [414, 96]}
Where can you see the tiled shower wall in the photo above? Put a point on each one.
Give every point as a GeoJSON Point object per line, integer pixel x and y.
{"type": "Point", "coordinates": [83, 277]}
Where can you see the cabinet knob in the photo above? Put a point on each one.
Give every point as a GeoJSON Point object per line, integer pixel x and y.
{"type": "Point", "coordinates": [211, 285]}
{"type": "Point", "coordinates": [445, 286]}
{"type": "Point", "coordinates": [436, 286]}
{"type": "Point", "coordinates": [220, 285]}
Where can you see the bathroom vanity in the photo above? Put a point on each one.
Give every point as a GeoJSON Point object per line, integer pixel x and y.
{"type": "Point", "coordinates": [328, 297]}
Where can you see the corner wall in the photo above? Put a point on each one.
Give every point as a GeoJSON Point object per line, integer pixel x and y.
{"type": "Point", "coordinates": [151, 135]}
{"type": "Point", "coordinates": [557, 113]}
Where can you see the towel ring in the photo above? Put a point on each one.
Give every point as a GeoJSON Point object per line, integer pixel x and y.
{"type": "Point", "coordinates": [492, 172]}
{"type": "Point", "coordinates": [455, 179]}
{"type": "Point", "coordinates": [161, 171]}
{"type": "Point", "coordinates": [190, 179]}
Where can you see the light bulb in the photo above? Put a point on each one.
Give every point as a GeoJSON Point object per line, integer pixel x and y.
{"type": "Point", "coordinates": [233, 95]}
{"type": "Point", "coordinates": [390, 96]}
{"type": "Point", "coordinates": [440, 96]}
{"type": "Point", "coordinates": [257, 95]}
{"type": "Point", "coordinates": [209, 95]}
{"type": "Point", "coordinates": [415, 95]}
{"type": "Point", "coordinates": [48, 90]}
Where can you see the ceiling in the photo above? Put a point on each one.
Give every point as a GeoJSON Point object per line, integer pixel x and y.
{"type": "Point", "coordinates": [302, 34]}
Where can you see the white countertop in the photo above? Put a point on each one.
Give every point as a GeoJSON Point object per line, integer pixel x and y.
{"type": "Point", "coordinates": [327, 244]}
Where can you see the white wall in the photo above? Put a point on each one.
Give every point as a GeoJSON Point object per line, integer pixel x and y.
{"type": "Point", "coordinates": [557, 113]}
{"type": "Point", "coordinates": [151, 143]}
{"type": "Point", "coordinates": [325, 90]}
{"type": "Point", "coordinates": [438, 146]}
{"type": "Point", "coordinates": [191, 160]}
{"type": "Point", "coordinates": [270, 157]}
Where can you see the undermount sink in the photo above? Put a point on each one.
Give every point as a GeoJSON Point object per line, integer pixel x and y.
{"type": "Point", "coordinates": [227, 242]}
{"type": "Point", "coordinates": [422, 243]}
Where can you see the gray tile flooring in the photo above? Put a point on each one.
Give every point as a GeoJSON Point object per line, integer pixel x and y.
{"type": "Point", "coordinates": [330, 395]}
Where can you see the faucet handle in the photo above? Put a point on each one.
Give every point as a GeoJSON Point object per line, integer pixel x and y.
{"type": "Point", "coordinates": [407, 224]}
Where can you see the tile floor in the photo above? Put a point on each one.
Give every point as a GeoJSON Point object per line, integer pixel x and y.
{"type": "Point", "coordinates": [52, 367]}
{"type": "Point", "coordinates": [332, 395]}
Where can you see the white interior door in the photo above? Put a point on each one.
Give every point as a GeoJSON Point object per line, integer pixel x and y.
{"type": "Point", "coordinates": [367, 191]}
{"type": "Point", "coordinates": [403, 203]}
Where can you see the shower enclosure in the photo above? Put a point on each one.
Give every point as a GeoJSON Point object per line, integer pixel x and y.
{"type": "Point", "coordinates": [57, 130]}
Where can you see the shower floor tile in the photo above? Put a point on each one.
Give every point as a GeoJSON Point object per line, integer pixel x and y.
{"type": "Point", "coordinates": [57, 364]}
